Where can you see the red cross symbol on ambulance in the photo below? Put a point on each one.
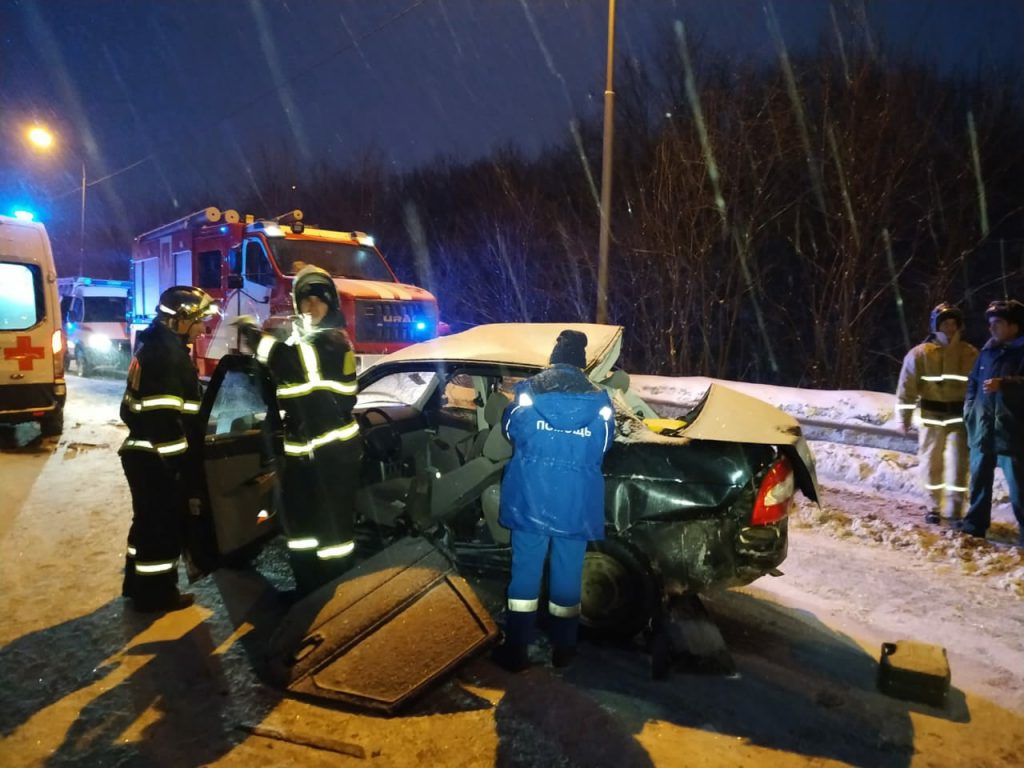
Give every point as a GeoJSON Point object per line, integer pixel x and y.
{"type": "Point", "coordinates": [24, 353]}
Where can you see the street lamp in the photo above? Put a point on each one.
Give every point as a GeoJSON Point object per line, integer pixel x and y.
{"type": "Point", "coordinates": [43, 138]}
{"type": "Point", "coordinates": [606, 175]}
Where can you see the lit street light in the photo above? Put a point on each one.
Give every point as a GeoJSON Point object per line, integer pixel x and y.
{"type": "Point", "coordinates": [42, 138]}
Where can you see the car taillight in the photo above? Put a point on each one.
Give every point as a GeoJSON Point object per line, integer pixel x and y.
{"type": "Point", "coordinates": [775, 495]}
{"type": "Point", "coordinates": [57, 345]}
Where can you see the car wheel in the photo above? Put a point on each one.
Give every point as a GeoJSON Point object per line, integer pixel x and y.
{"type": "Point", "coordinates": [52, 424]}
{"type": "Point", "coordinates": [619, 591]}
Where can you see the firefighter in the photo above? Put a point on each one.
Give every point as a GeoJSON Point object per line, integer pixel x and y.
{"type": "Point", "coordinates": [995, 418]}
{"type": "Point", "coordinates": [160, 456]}
{"type": "Point", "coordinates": [314, 373]}
{"type": "Point", "coordinates": [934, 379]}
{"type": "Point", "coordinates": [552, 496]}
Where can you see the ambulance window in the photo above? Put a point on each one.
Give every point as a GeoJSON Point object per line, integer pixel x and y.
{"type": "Point", "coordinates": [257, 265]}
{"type": "Point", "coordinates": [21, 296]}
{"type": "Point", "coordinates": [209, 269]}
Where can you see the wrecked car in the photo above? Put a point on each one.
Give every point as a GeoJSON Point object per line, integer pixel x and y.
{"type": "Point", "coordinates": [693, 504]}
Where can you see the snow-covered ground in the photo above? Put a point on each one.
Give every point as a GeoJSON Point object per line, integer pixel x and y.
{"type": "Point", "coordinates": [85, 682]}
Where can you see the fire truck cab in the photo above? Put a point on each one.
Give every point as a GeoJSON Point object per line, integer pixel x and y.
{"type": "Point", "coordinates": [248, 265]}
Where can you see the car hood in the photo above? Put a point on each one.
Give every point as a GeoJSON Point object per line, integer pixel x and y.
{"type": "Point", "coordinates": [517, 345]}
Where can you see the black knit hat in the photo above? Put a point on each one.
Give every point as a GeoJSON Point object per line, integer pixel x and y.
{"type": "Point", "coordinates": [571, 348]}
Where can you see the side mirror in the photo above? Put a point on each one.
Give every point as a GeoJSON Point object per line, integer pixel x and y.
{"type": "Point", "coordinates": [234, 282]}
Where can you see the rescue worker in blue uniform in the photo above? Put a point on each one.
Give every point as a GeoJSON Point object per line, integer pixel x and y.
{"type": "Point", "coordinates": [314, 374]}
{"type": "Point", "coordinates": [161, 455]}
{"type": "Point", "coordinates": [552, 496]}
{"type": "Point", "coordinates": [994, 413]}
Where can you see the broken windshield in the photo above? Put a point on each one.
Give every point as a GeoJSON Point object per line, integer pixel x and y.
{"type": "Point", "coordinates": [340, 259]}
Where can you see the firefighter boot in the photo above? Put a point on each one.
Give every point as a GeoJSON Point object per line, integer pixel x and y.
{"type": "Point", "coordinates": [513, 657]}
{"type": "Point", "coordinates": [304, 569]}
{"type": "Point", "coordinates": [128, 584]}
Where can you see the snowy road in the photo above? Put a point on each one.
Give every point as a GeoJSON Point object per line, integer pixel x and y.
{"type": "Point", "coordinates": [87, 683]}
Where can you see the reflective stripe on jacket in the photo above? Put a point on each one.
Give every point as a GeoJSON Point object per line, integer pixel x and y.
{"type": "Point", "coordinates": [314, 372]}
{"type": "Point", "coordinates": [161, 396]}
{"type": "Point", "coordinates": [934, 378]}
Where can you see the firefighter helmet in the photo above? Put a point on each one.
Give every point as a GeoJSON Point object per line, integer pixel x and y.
{"type": "Point", "coordinates": [1010, 310]}
{"type": "Point", "coordinates": [946, 311]}
{"type": "Point", "coordinates": [185, 302]}
{"type": "Point", "coordinates": [314, 281]}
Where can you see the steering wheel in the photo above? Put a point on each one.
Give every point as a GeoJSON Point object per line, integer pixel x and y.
{"type": "Point", "coordinates": [382, 440]}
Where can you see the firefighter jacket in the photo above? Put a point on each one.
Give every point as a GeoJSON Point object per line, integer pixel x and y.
{"type": "Point", "coordinates": [161, 401]}
{"type": "Point", "coordinates": [934, 378]}
{"type": "Point", "coordinates": [314, 372]}
{"type": "Point", "coordinates": [995, 421]}
{"type": "Point", "coordinates": [560, 426]}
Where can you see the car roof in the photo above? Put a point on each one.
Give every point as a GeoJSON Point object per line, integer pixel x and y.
{"type": "Point", "coordinates": [512, 344]}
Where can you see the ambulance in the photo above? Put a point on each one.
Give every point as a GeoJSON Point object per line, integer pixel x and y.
{"type": "Point", "coordinates": [95, 314]}
{"type": "Point", "coordinates": [32, 347]}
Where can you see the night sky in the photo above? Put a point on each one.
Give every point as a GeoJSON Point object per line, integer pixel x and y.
{"type": "Point", "coordinates": [198, 89]}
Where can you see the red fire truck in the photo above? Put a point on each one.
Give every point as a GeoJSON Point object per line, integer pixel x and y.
{"type": "Point", "coordinates": [248, 265]}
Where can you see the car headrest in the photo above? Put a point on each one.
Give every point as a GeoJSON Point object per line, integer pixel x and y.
{"type": "Point", "coordinates": [618, 380]}
{"type": "Point", "coordinates": [494, 407]}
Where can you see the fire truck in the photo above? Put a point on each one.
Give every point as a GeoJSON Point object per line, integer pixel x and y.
{"type": "Point", "coordinates": [248, 264]}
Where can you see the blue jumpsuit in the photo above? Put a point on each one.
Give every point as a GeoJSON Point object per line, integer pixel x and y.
{"type": "Point", "coordinates": [552, 495]}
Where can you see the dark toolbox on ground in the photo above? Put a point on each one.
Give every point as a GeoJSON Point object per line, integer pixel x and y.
{"type": "Point", "coordinates": [916, 671]}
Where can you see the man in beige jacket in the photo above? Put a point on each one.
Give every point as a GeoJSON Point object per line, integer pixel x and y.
{"type": "Point", "coordinates": [934, 379]}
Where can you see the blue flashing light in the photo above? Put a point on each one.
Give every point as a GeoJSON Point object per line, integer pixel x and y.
{"type": "Point", "coordinates": [224, 229]}
{"type": "Point", "coordinates": [421, 326]}
{"type": "Point", "coordinates": [86, 281]}
{"type": "Point", "coordinates": [23, 215]}
{"type": "Point", "coordinates": [70, 327]}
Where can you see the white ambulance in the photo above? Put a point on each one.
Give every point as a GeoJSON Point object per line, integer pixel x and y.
{"type": "Point", "coordinates": [31, 340]}
{"type": "Point", "coordinates": [95, 313]}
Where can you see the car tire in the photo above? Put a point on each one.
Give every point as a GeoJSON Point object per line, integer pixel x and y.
{"type": "Point", "coordinates": [619, 592]}
{"type": "Point", "coordinates": [52, 424]}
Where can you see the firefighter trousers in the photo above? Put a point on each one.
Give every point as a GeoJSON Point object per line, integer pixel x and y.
{"type": "Point", "coordinates": [943, 456]}
{"type": "Point", "coordinates": [565, 577]}
{"type": "Point", "coordinates": [319, 511]}
{"type": "Point", "coordinates": [158, 516]}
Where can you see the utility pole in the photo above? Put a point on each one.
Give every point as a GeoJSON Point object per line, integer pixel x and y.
{"type": "Point", "coordinates": [606, 174]}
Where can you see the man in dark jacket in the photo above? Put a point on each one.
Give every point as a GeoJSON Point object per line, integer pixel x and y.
{"type": "Point", "coordinates": [552, 496]}
{"type": "Point", "coordinates": [994, 413]}
{"type": "Point", "coordinates": [160, 457]}
{"type": "Point", "coordinates": [314, 373]}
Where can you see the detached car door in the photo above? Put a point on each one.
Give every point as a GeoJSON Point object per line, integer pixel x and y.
{"type": "Point", "coordinates": [241, 448]}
